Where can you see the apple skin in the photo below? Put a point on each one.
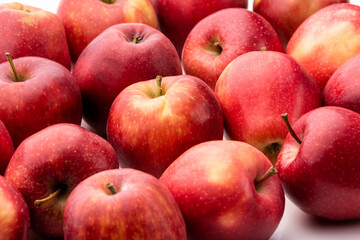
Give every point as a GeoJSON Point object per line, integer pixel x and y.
{"type": "Point", "coordinates": [312, 44]}
{"type": "Point", "coordinates": [321, 176]}
{"type": "Point", "coordinates": [255, 89]}
{"type": "Point", "coordinates": [213, 185]}
{"type": "Point", "coordinates": [104, 68]}
{"type": "Point", "coordinates": [85, 19]}
{"type": "Point", "coordinates": [6, 148]}
{"type": "Point", "coordinates": [30, 31]}
{"type": "Point", "coordinates": [287, 15]}
{"type": "Point", "coordinates": [14, 213]}
{"type": "Point", "coordinates": [235, 31]}
{"type": "Point", "coordinates": [150, 131]}
{"type": "Point", "coordinates": [142, 208]}
{"type": "Point", "coordinates": [59, 156]}
{"type": "Point", "coordinates": [177, 18]}
{"type": "Point", "coordinates": [343, 88]}
{"type": "Point", "coordinates": [33, 104]}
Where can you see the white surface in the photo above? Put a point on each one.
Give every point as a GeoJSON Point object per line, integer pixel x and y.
{"type": "Point", "coordinates": [295, 224]}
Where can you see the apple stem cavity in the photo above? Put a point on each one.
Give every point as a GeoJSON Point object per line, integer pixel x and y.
{"type": "Point", "coordinates": [284, 116]}
{"type": "Point", "coordinates": [269, 173]}
{"type": "Point", "coordinates": [218, 46]}
{"type": "Point", "coordinates": [264, 49]}
{"type": "Point", "coordinates": [40, 202]}
{"type": "Point", "coordinates": [158, 83]}
{"type": "Point", "coordinates": [8, 56]}
{"type": "Point", "coordinates": [111, 188]}
{"type": "Point", "coordinates": [109, 1]}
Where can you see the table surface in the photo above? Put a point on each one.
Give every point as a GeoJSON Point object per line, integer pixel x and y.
{"type": "Point", "coordinates": [295, 225]}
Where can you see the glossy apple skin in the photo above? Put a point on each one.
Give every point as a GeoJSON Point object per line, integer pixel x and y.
{"type": "Point", "coordinates": [149, 131]}
{"type": "Point", "coordinates": [85, 19]}
{"type": "Point", "coordinates": [30, 31]}
{"type": "Point", "coordinates": [14, 213]}
{"type": "Point", "coordinates": [142, 208]}
{"type": "Point", "coordinates": [255, 89]}
{"type": "Point", "coordinates": [213, 185]}
{"type": "Point", "coordinates": [312, 44]}
{"type": "Point", "coordinates": [321, 176]}
{"type": "Point", "coordinates": [61, 155]}
{"type": "Point", "coordinates": [236, 30]}
{"type": "Point", "coordinates": [177, 18]}
{"type": "Point", "coordinates": [287, 15]}
{"type": "Point", "coordinates": [6, 148]}
{"type": "Point", "coordinates": [343, 88]}
{"type": "Point", "coordinates": [48, 95]}
{"type": "Point", "coordinates": [105, 68]}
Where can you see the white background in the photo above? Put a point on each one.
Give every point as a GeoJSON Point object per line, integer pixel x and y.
{"type": "Point", "coordinates": [295, 224]}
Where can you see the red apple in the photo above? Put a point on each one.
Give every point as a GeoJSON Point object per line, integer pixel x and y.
{"type": "Point", "coordinates": [223, 192]}
{"type": "Point", "coordinates": [6, 148]}
{"type": "Point", "coordinates": [120, 56]}
{"type": "Point", "coordinates": [177, 18]}
{"type": "Point", "coordinates": [14, 213]}
{"type": "Point", "coordinates": [47, 166]}
{"type": "Point", "coordinates": [30, 31]}
{"type": "Point", "coordinates": [287, 15]}
{"type": "Point", "coordinates": [152, 122]}
{"type": "Point", "coordinates": [326, 40]}
{"type": "Point", "coordinates": [255, 89]}
{"type": "Point", "coordinates": [221, 37]}
{"type": "Point", "coordinates": [322, 174]}
{"type": "Point", "coordinates": [85, 19]}
{"type": "Point", "coordinates": [122, 204]}
{"type": "Point", "coordinates": [343, 88]}
{"type": "Point", "coordinates": [36, 93]}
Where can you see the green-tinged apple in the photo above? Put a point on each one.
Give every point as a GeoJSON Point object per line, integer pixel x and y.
{"type": "Point", "coordinates": [14, 213]}
{"type": "Point", "coordinates": [47, 166]}
{"type": "Point", "coordinates": [221, 37]}
{"type": "Point", "coordinates": [120, 56]}
{"type": "Point", "coordinates": [122, 204]}
{"type": "Point", "coordinates": [6, 148]}
{"type": "Point", "coordinates": [152, 122]}
{"type": "Point", "coordinates": [343, 88]}
{"type": "Point", "coordinates": [85, 19]}
{"type": "Point", "coordinates": [30, 31]}
{"type": "Point", "coordinates": [287, 15]}
{"type": "Point", "coordinates": [326, 40]}
{"type": "Point", "coordinates": [320, 171]}
{"type": "Point", "coordinates": [35, 93]}
{"type": "Point", "coordinates": [255, 89]}
{"type": "Point", "coordinates": [177, 18]}
{"type": "Point", "coordinates": [225, 190]}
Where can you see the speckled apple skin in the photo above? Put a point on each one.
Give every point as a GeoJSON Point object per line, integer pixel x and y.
{"type": "Point", "coordinates": [62, 154]}
{"type": "Point", "coordinates": [85, 19]}
{"type": "Point", "coordinates": [177, 18]}
{"type": "Point", "coordinates": [213, 184]}
{"type": "Point", "coordinates": [322, 175]}
{"type": "Point", "coordinates": [35, 33]}
{"type": "Point", "coordinates": [326, 40]}
{"type": "Point", "coordinates": [149, 131]}
{"type": "Point", "coordinates": [143, 208]}
{"type": "Point", "coordinates": [256, 88]}
{"type": "Point", "coordinates": [237, 30]}
{"type": "Point", "coordinates": [49, 95]}
{"type": "Point", "coordinates": [287, 15]}
{"type": "Point", "coordinates": [14, 213]}
{"type": "Point", "coordinates": [343, 88]}
{"type": "Point", "coordinates": [112, 62]}
{"type": "Point", "coordinates": [6, 148]}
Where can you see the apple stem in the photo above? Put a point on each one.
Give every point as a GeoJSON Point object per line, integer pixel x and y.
{"type": "Point", "coordinates": [40, 202]}
{"type": "Point", "coordinates": [269, 173]}
{"type": "Point", "coordinates": [284, 116]}
{"type": "Point", "coordinates": [264, 49]}
{"type": "Point", "coordinates": [158, 83]}
{"type": "Point", "coordinates": [108, 1]}
{"type": "Point", "coordinates": [111, 188]}
{"type": "Point", "coordinates": [8, 56]}
{"type": "Point", "coordinates": [136, 40]}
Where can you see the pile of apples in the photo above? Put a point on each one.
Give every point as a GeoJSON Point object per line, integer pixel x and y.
{"type": "Point", "coordinates": [156, 84]}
